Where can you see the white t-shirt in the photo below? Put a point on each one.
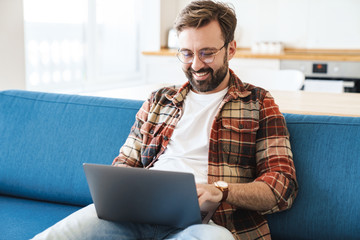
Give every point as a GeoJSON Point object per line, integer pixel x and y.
{"type": "Point", "coordinates": [188, 148]}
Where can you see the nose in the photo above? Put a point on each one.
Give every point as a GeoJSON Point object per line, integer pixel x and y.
{"type": "Point", "coordinates": [197, 64]}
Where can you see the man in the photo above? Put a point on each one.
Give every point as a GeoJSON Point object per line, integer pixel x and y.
{"type": "Point", "coordinates": [231, 135]}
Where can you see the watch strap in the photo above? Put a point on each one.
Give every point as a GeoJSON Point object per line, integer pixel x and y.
{"type": "Point", "coordinates": [224, 190]}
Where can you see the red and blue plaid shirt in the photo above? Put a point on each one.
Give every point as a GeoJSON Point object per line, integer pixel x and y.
{"type": "Point", "coordinates": [249, 141]}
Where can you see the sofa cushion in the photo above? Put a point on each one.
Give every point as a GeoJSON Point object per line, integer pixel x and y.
{"type": "Point", "coordinates": [326, 156]}
{"type": "Point", "coordinates": [22, 218]}
{"type": "Point", "coordinates": [45, 138]}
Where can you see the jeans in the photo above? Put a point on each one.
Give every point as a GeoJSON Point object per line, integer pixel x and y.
{"type": "Point", "coordinates": [84, 224]}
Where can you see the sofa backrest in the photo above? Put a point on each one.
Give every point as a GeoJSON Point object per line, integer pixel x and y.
{"type": "Point", "coordinates": [326, 153]}
{"type": "Point", "coordinates": [45, 138]}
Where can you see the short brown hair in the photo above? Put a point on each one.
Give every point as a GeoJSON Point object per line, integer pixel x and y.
{"type": "Point", "coordinates": [200, 13]}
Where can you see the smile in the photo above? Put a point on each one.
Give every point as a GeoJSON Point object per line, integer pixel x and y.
{"type": "Point", "coordinates": [201, 74]}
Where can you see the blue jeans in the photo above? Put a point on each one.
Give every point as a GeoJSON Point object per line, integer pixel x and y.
{"type": "Point", "coordinates": [84, 224]}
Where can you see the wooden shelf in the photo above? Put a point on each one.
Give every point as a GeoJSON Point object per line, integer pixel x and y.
{"type": "Point", "coordinates": [289, 54]}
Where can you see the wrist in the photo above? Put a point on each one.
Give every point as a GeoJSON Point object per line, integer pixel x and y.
{"type": "Point", "coordinates": [224, 188]}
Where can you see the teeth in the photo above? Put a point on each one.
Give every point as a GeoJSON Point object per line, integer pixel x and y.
{"type": "Point", "coordinates": [201, 74]}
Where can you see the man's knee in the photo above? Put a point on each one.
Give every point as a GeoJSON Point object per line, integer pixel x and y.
{"type": "Point", "coordinates": [205, 231]}
{"type": "Point", "coordinates": [72, 226]}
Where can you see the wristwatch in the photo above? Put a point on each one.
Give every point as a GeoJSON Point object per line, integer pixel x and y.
{"type": "Point", "coordinates": [224, 188]}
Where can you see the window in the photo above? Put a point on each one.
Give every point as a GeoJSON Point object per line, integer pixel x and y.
{"type": "Point", "coordinates": [71, 46]}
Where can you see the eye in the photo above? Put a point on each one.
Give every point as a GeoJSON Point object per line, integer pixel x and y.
{"type": "Point", "coordinates": [206, 53]}
{"type": "Point", "coordinates": [187, 54]}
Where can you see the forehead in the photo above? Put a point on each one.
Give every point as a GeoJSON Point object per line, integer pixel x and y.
{"type": "Point", "coordinates": [208, 36]}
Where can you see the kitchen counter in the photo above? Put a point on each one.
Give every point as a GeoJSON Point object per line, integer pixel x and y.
{"type": "Point", "coordinates": [298, 102]}
{"type": "Point", "coordinates": [314, 103]}
{"type": "Point", "coordinates": [288, 54]}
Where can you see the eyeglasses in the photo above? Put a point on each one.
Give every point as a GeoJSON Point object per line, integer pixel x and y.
{"type": "Point", "coordinates": [205, 55]}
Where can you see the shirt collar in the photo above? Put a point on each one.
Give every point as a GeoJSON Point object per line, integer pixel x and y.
{"type": "Point", "coordinates": [236, 87]}
{"type": "Point", "coordinates": [180, 95]}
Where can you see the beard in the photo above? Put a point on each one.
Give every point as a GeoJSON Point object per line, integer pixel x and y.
{"type": "Point", "coordinates": [214, 79]}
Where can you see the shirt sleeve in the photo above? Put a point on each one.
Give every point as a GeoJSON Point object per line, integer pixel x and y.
{"type": "Point", "coordinates": [130, 152]}
{"type": "Point", "coordinates": [274, 158]}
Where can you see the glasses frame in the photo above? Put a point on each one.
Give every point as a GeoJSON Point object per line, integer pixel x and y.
{"type": "Point", "coordinates": [213, 55]}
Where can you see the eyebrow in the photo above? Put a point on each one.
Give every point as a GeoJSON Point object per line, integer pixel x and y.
{"type": "Point", "coordinates": [184, 49]}
{"type": "Point", "coordinates": [203, 49]}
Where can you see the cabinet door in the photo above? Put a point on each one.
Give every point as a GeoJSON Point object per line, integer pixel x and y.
{"type": "Point", "coordinates": [167, 69]}
{"type": "Point", "coordinates": [239, 64]}
{"type": "Point", "coordinates": [163, 69]}
{"type": "Point", "coordinates": [259, 72]}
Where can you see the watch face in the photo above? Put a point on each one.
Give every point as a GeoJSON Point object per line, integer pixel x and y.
{"type": "Point", "coordinates": [222, 184]}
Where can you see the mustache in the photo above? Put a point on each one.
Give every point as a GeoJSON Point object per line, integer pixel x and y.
{"type": "Point", "coordinates": [202, 70]}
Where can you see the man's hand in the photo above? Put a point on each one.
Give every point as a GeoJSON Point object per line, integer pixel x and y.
{"type": "Point", "coordinates": [121, 165]}
{"type": "Point", "coordinates": [208, 192]}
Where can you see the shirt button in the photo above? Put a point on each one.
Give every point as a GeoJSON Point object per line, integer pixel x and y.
{"type": "Point", "coordinates": [241, 126]}
{"type": "Point", "coordinates": [151, 131]}
{"type": "Point", "coordinates": [166, 138]}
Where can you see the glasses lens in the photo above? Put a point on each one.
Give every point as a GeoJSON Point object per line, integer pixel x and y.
{"type": "Point", "coordinates": [207, 56]}
{"type": "Point", "coordinates": [185, 56]}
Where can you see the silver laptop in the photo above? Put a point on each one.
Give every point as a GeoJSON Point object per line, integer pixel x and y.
{"type": "Point", "coordinates": [146, 196]}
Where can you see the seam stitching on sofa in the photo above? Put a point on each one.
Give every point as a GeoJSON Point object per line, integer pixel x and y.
{"type": "Point", "coordinates": [322, 123]}
{"type": "Point", "coordinates": [80, 104]}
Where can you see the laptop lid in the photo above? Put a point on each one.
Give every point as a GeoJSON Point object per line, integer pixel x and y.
{"type": "Point", "coordinates": [145, 196]}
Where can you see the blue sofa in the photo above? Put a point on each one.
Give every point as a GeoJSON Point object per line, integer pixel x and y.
{"type": "Point", "coordinates": [45, 138]}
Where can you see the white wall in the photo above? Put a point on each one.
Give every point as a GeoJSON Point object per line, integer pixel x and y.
{"type": "Point", "coordinates": [318, 24]}
{"type": "Point", "coordinates": [169, 11]}
{"type": "Point", "coordinates": [150, 31]}
{"type": "Point", "coordinates": [12, 59]}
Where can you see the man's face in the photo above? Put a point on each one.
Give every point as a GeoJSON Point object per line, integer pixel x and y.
{"type": "Point", "coordinates": [206, 77]}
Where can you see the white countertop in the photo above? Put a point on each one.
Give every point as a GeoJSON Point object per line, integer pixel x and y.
{"type": "Point", "coordinates": [300, 102]}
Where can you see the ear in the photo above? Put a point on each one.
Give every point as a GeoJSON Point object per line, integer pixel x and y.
{"type": "Point", "coordinates": [231, 49]}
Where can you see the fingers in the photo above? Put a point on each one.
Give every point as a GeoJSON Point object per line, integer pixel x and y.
{"type": "Point", "coordinates": [202, 195]}
{"type": "Point", "coordinates": [121, 165]}
{"type": "Point", "coordinates": [208, 192]}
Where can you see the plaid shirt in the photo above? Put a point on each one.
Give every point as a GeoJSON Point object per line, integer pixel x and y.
{"type": "Point", "coordinates": [249, 142]}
